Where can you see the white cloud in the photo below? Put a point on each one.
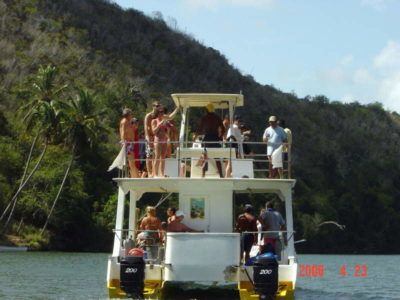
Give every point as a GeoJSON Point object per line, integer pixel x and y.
{"type": "Point", "coordinates": [377, 80]}
{"type": "Point", "coordinates": [346, 60]}
{"type": "Point", "coordinates": [254, 3]}
{"type": "Point", "coordinates": [215, 5]}
{"type": "Point", "coordinates": [338, 73]}
{"type": "Point", "coordinates": [379, 5]}
{"type": "Point", "coordinates": [390, 91]}
{"type": "Point", "coordinates": [334, 75]}
{"type": "Point", "coordinates": [387, 66]}
{"type": "Point", "coordinates": [389, 57]}
{"type": "Point", "coordinates": [348, 98]}
{"type": "Point", "coordinates": [362, 76]}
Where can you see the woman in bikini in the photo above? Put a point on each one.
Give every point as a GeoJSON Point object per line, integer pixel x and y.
{"type": "Point", "coordinates": [160, 129]}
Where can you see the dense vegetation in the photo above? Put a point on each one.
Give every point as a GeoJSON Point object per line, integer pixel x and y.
{"type": "Point", "coordinates": [67, 67]}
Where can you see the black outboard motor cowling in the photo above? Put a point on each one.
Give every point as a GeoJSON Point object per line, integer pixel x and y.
{"type": "Point", "coordinates": [265, 275]}
{"type": "Point", "coordinates": [132, 275]}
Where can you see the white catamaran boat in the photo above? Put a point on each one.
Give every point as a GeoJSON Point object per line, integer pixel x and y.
{"type": "Point", "coordinates": [209, 259]}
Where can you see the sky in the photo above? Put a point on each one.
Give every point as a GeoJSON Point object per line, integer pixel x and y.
{"type": "Point", "coordinates": [347, 50]}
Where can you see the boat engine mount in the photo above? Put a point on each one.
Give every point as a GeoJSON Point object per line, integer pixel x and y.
{"type": "Point", "coordinates": [265, 275]}
{"type": "Point", "coordinates": [132, 276]}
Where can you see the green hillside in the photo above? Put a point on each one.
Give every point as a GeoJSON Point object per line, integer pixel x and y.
{"type": "Point", "coordinates": [67, 67]}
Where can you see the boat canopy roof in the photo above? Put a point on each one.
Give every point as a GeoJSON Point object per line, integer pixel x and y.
{"type": "Point", "coordinates": [220, 101]}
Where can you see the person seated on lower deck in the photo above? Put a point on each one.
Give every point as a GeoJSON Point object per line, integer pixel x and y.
{"type": "Point", "coordinates": [177, 226]}
{"type": "Point", "coordinates": [143, 239]}
{"type": "Point", "coordinates": [171, 211]}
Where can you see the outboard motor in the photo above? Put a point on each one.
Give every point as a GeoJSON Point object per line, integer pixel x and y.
{"type": "Point", "coordinates": [132, 276]}
{"type": "Point", "coordinates": [265, 275]}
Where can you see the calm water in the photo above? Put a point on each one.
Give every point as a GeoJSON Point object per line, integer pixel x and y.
{"type": "Point", "coordinates": [82, 276]}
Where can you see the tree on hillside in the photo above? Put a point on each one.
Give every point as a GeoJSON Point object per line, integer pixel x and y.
{"type": "Point", "coordinates": [43, 113]}
{"type": "Point", "coordinates": [81, 127]}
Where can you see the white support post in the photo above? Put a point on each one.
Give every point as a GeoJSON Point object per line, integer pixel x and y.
{"type": "Point", "coordinates": [133, 197]}
{"type": "Point", "coordinates": [231, 128]}
{"type": "Point", "coordinates": [289, 221]}
{"type": "Point", "coordinates": [230, 115]}
{"type": "Point", "coordinates": [119, 222]}
{"type": "Point", "coordinates": [183, 126]}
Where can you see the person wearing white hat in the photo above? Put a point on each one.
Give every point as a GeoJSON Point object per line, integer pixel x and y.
{"type": "Point", "coordinates": [274, 136]}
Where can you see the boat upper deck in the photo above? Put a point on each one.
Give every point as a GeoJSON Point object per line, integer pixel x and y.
{"type": "Point", "coordinates": [193, 157]}
{"type": "Point", "coordinates": [175, 185]}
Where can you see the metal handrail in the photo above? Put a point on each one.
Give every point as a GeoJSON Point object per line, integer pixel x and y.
{"type": "Point", "coordinates": [279, 249]}
{"type": "Point", "coordinates": [150, 244]}
{"type": "Point", "coordinates": [258, 161]}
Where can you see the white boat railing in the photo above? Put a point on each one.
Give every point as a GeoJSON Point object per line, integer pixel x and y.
{"type": "Point", "coordinates": [153, 243]}
{"type": "Point", "coordinates": [185, 157]}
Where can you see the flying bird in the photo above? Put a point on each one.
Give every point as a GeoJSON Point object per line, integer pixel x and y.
{"type": "Point", "coordinates": [341, 227]}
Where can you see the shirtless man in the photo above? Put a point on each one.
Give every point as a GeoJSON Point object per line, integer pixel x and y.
{"type": "Point", "coordinates": [176, 225]}
{"type": "Point", "coordinates": [149, 135]}
{"type": "Point", "coordinates": [127, 129]}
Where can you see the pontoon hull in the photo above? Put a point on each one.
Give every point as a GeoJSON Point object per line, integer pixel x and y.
{"type": "Point", "coordinates": [242, 288]}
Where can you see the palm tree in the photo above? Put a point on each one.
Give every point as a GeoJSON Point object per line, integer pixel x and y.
{"type": "Point", "coordinates": [80, 127]}
{"type": "Point", "coordinates": [42, 114]}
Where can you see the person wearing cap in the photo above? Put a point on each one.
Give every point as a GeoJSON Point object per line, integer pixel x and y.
{"type": "Point", "coordinates": [274, 136]}
{"type": "Point", "coordinates": [128, 130]}
{"type": "Point", "coordinates": [213, 129]}
{"type": "Point", "coordinates": [247, 222]}
{"type": "Point", "coordinates": [176, 225]}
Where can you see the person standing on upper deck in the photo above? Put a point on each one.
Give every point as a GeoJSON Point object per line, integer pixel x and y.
{"type": "Point", "coordinates": [274, 136]}
{"type": "Point", "coordinates": [149, 134]}
{"type": "Point", "coordinates": [160, 128]}
{"type": "Point", "coordinates": [128, 129]}
{"type": "Point", "coordinates": [226, 122]}
{"type": "Point", "coordinates": [235, 139]}
{"type": "Point", "coordinates": [289, 139]}
{"type": "Point", "coordinates": [213, 129]}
